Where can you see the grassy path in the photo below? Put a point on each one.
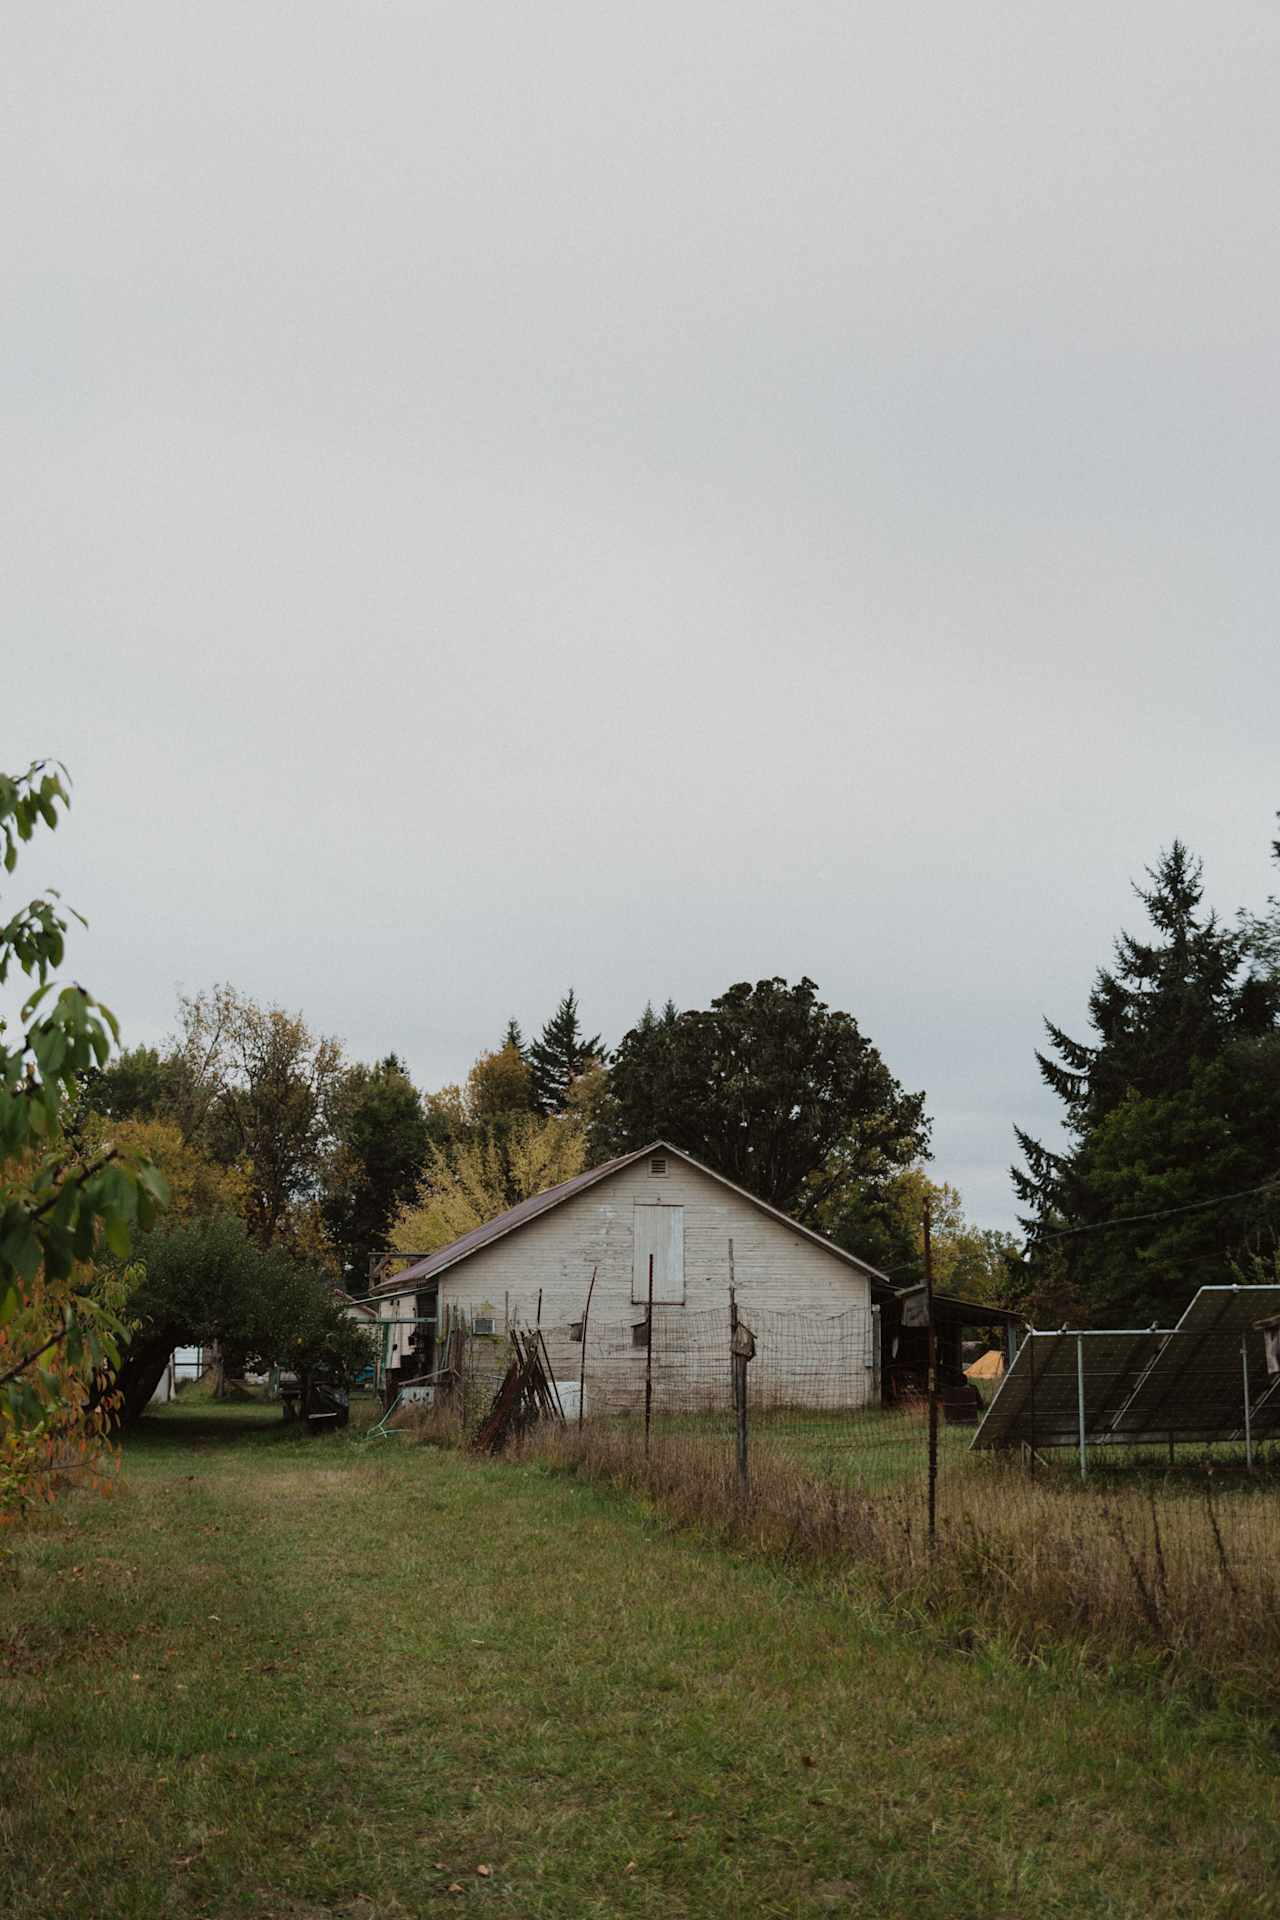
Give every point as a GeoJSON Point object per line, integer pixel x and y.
{"type": "Point", "coordinates": [305, 1678]}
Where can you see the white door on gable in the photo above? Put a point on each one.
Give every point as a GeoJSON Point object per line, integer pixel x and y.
{"type": "Point", "coordinates": [658, 1231]}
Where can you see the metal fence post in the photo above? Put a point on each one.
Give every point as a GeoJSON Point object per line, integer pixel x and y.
{"type": "Point", "coordinates": [877, 1382]}
{"type": "Point", "coordinates": [582, 1372]}
{"type": "Point", "coordinates": [1248, 1416]}
{"type": "Point", "coordinates": [648, 1365]}
{"type": "Point", "coordinates": [733, 1328]}
{"type": "Point", "coordinates": [933, 1377]}
{"type": "Point", "coordinates": [1084, 1456]}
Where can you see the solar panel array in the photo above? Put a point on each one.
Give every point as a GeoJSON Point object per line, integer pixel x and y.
{"type": "Point", "coordinates": [1227, 1309]}
{"type": "Point", "coordinates": [1180, 1384]}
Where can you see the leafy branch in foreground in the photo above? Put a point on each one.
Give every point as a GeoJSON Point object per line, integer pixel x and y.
{"type": "Point", "coordinates": [58, 1334]}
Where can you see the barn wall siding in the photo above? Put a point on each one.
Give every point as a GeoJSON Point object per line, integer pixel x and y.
{"type": "Point", "coordinates": [775, 1269]}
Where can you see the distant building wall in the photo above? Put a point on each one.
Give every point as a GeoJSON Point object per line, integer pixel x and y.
{"type": "Point", "coordinates": [775, 1269]}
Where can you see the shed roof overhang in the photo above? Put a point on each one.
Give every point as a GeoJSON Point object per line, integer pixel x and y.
{"type": "Point", "coordinates": [950, 1311]}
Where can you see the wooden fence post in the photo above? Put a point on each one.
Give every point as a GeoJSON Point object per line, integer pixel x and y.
{"type": "Point", "coordinates": [742, 1344]}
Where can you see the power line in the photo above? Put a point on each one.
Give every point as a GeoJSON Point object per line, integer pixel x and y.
{"type": "Point", "coordinates": [1160, 1213]}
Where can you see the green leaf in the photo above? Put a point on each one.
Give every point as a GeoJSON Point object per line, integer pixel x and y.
{"type": "Point", "coordinates": [116, 1228]}
{"type": "Point", "coordinates": [152, 1181]}
{"type": "Point", "coordinates": [20, 1250]}
{"type": "Point", "coordinates": [29, 1006]}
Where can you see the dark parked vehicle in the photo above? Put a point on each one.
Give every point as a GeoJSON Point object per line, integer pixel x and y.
{"type": "Point", "coordinates": [318, 1400]}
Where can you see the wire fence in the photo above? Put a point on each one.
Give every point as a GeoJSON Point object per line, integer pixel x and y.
{"type": "Point", "coordinates": [805, 1387]}
{"type": "Point", "coordinates": [835, 1397]}
{"type": "Point", "coordinates": [864, 1400]}
{"type": "Point", "coordinates": [1116, 1486]}
{"type": "Point", "coordinates": [733, 1383]}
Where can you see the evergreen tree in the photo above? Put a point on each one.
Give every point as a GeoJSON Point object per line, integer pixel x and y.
{"type": "Point", "coordinates": [1175, 1101]}
{"type": "Point", "coordinates": [1262, 931]}
{"type": "Point", "coordinates": [638, 1105]}
{"type": "Point", "coordinates": [514, 1038]}
{"type": "Point", "coordinates": [559, 1054]}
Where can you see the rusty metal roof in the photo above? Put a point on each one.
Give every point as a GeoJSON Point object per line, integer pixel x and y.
{"type": "Point", "coordinates": [540, 1203]}
{"type": "Point", "coordinates": [349, 1300]}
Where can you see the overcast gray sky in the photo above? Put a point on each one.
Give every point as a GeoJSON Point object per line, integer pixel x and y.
{"type": "Point", "coordinates": [643, 497]}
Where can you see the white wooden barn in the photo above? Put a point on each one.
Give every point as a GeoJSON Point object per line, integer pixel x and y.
{"type": "Point", "coordinates": [534, 1264]}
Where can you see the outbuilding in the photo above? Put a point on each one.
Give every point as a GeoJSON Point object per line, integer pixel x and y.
{"type": "Point", "coordinates": [702, 1234]}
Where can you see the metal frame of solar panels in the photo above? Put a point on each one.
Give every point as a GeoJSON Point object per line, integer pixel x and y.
{"type": "Point", "coordinates": [1202, 1381]}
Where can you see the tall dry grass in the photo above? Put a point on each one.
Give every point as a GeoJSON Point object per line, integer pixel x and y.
{"type": "Point", "coordinates": [1179, 1578]}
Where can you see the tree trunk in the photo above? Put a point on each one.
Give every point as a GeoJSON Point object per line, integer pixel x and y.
{"type": "Point", "coordinates": [141, 1371]}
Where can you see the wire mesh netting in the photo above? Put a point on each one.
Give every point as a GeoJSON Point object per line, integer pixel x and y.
{"type": "Point", "coordinates": [813, 1388]}
{"type": "Point", "coordinates": [817, 1436]}
{"type": "Point", "coordinates": [685, 1369]}
{"type": "Point", "coordinates": [834, 1396]}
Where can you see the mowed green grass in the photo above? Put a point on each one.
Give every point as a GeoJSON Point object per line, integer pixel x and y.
{"type": "Point", "coordinates": [298, 1677]}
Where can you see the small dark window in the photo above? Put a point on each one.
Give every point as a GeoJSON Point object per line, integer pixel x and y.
{"type": "Point", "coordinates": [575, 1330]}
{"type": "Point", "coordinates": [640, 1334]}
{"type": "Point", "coordinates": [482, 1324]}
{"type": "Point", "coordinates": [658, 1165]}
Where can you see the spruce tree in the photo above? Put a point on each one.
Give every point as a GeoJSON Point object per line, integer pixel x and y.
{"type": "Point", "coordinates": [1262, 931]}
{"type": "Point", "coordinates": [1174, 1101]}
{"type": "Point", "coordinates": [559, 1054]}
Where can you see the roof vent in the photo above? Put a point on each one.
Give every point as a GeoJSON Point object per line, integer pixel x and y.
{"type": "Point", "coordinates": [658, 1164]}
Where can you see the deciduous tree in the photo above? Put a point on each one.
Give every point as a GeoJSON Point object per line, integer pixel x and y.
{"type": "Point", "coordinates": [57, 1205]}
{"type": "Point", "coordinates": [206, 1281]}
{"type": "Point", "coordinates": [976, 1263]}
{"type": "Point", "coordinates": [484, 1175]}
{"type": "Point", "coordinates": [499, 1086]}
{"type": "Point", "coordinates": [380, 1136]}
{"type": "Point", "coordinates": [260, 1086]}
{"type": "Point", "coordinates": [772, 1089]}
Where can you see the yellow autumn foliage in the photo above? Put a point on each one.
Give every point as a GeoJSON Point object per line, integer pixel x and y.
{"type": "Point", "coordinates": [198, 1185]}
{"type": "Point", "coordinates": [481, 1177]}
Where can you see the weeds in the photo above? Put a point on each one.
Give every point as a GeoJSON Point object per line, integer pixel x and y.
{"type": "Point", "coordinates": [289, 1675]}
{"type": "Point", "coordinates": [1032, 1561]}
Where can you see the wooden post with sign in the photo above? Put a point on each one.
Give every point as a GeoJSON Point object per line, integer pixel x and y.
{"type": "Point", "coordinates": [742, 1349]}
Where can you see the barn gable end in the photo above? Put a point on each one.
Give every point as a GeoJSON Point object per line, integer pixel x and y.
{"type": "Point", "coordinates": [658, 1201]}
